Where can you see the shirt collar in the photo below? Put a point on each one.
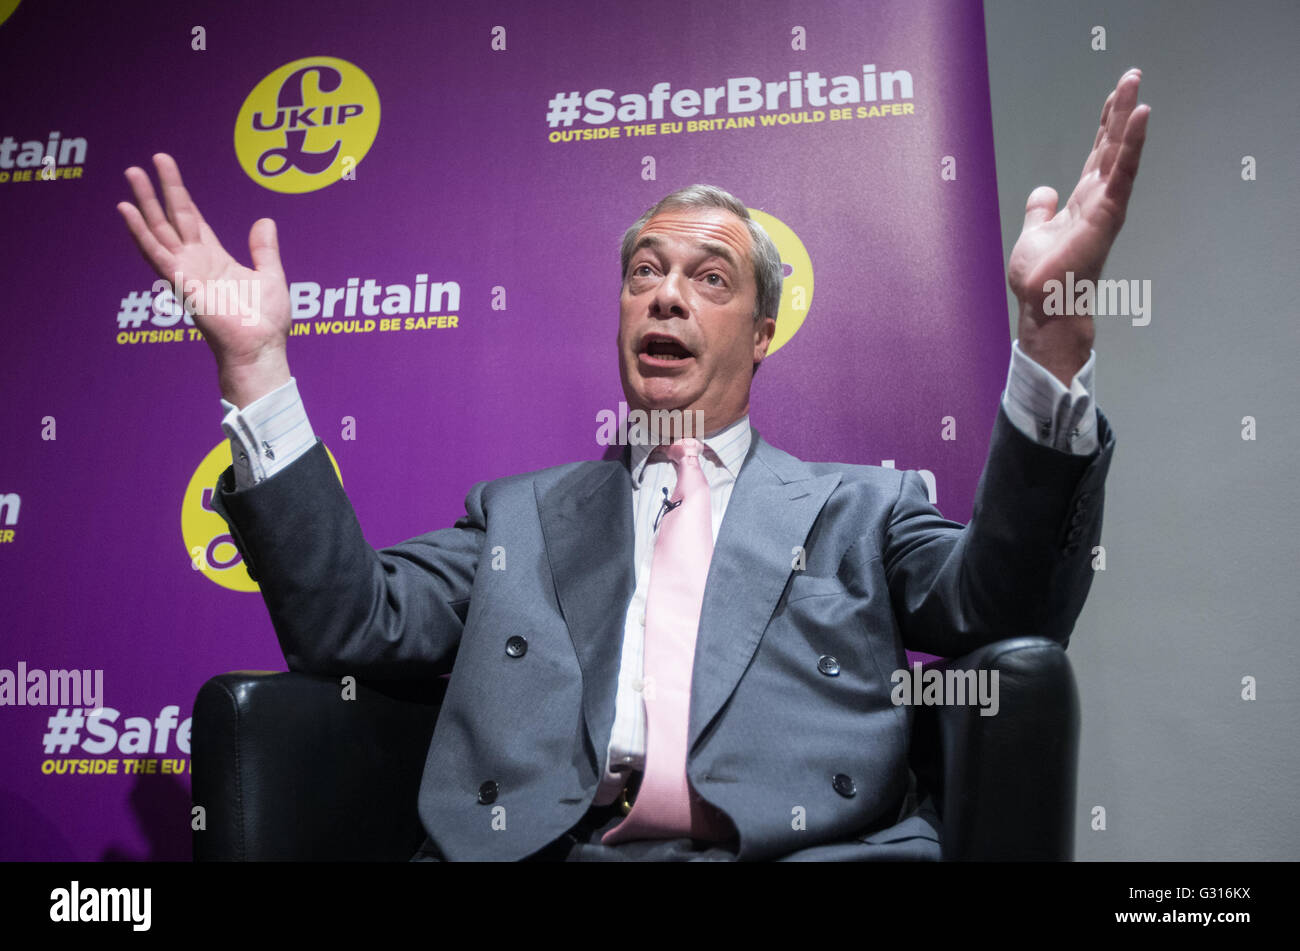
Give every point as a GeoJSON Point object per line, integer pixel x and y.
{"type": "Point", "coordinates": [726, 448]}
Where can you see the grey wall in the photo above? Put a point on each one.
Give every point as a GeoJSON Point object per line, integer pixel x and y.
{"type": "Point", "coordinates": [1202, 535]}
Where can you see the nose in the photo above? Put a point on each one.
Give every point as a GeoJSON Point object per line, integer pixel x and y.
{"type": "Point", "coordinates": [670, 298]}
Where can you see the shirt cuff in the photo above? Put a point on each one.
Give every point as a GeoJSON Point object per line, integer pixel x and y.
{"type": "Point", "coordinates": [267, 434]}
{"type": "Point", "coordinates": [1041, 407]}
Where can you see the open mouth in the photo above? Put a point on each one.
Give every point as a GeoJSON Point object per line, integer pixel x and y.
{"type": "Point", "coordinates": [664, 350]}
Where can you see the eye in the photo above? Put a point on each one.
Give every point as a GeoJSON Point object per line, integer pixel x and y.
{"type": "Point", "coordinates": [715, 279]}
{"type": "Point", "coordinates": [641, 270]}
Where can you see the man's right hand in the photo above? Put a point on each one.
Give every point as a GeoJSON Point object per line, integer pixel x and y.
{"type": "Point", "coordinates": [247, 331]}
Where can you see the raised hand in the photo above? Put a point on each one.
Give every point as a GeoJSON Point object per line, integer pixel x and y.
{"type": "Point", "coordinates": [243, 313]}
{"type": "Point", "coordinates": [1078, 237]}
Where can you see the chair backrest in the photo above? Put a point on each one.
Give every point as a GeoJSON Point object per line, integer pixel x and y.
{"type": "Point", "coordinates": [286, 768]}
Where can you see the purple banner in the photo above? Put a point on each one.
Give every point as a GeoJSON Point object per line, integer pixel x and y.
{"type": "Point", "coordinates": [450, 189]}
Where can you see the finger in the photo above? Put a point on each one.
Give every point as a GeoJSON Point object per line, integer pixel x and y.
{"type": "Point", "coordinates": [1126, 96]}
{"type": "Point", "coordinates": [150, 247]}
{"type": "Point", "coordinates": [1094, 157]}
{"type": "Point", "coordinates": [150, 209]}
{"type": "Point", "coordinates": [207, 236]}
{"type": "Point", "coordinates": [1040, 207]}
{"type": "Point", "coordinates": [181, 209]}
{"type": "Point", "coordinates": [1119, 185]}
{"type": "Point", "coordinates": [1105, 114]}
{"type": "Point", "coordinates": [264, 246]}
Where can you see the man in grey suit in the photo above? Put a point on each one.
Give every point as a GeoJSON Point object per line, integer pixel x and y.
{"type": "Point", "coordinates": [820, 573]}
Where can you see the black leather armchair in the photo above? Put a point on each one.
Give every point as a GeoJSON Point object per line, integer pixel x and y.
{"type": "Point", "coordinates": [285, 771]}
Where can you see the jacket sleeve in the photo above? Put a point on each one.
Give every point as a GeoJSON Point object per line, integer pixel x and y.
{"type": "Point", "coordinates": [1022, 566]}
{"type": "Point", "coordinates": [339, 606]}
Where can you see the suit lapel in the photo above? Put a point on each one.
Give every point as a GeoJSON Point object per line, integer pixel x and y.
{"type": "Point", "coordinates": [587, 523]}
{"type": "Point", "coordinates": [772, 509]}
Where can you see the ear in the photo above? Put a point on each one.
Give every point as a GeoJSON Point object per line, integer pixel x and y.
{"type": "Point", "coordinates": [763, 334]}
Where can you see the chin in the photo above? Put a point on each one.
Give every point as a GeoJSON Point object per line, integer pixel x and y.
{"type": "Point", "coordinates": [655, 398]}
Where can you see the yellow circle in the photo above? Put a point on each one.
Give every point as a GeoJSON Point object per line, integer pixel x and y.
{"type": "Point", "coordinates": [206, 534]}
{"type": "Point", "coordinates": [307, 124]}
{"type": "Point", "coordinates": [7, 7]}
{"type": "Point", "coordinates": [797, 289]}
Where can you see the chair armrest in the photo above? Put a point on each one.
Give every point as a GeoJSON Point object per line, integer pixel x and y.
{"type": "Point", "coordinates": [287, 769]}
{"type": "Point", "coordinates": [1008, 783]}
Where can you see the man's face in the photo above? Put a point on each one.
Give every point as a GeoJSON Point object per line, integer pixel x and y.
{"type": "Point", "coordinates": [686, 333]}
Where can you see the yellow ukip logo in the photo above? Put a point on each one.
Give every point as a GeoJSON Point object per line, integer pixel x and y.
{"type": "Point", "coordinates": [7, 7]}
{"type": "Point", "coordinates": [797, 289]}
{"type": "Point", "coordinates": [207, 536]}
{"type": "Point", "coordinates": [307, 125]}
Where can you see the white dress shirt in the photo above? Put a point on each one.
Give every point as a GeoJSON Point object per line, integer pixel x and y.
{"type": "Point", "coordinates": [272, 432]}
{"type": "Point", "coordinates": [724, 453]}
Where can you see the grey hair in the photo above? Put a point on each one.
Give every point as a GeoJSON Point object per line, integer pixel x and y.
{"type": "Point", "coordinates": [768, 270]}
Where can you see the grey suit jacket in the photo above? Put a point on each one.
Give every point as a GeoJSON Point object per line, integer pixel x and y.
{"type": "Point", "coordinates": [547, 556]}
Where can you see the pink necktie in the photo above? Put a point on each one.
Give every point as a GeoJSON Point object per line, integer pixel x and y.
{"type": "Point", "coordinates": [665, 806]}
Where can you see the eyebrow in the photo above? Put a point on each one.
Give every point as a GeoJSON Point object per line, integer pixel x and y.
{"type": "Point", "coordinates": [711, 249]}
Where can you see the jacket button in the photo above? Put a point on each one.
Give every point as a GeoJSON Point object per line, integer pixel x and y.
{"type": "Point", "coordinates": [828, 665]}
{"type": "Point", "coordinates": [487, 793]}
{"type": "Point", "coordinates": [517, 646]}
{"type": "Point", "coordinates": [843, 784]}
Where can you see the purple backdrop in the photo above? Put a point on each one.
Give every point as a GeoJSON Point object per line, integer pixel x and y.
{"type": "Point", "coordinates": [907, 324]}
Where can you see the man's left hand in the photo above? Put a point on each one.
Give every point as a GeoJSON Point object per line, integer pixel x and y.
{"type": "Point", "coordinates": [1078, 237]}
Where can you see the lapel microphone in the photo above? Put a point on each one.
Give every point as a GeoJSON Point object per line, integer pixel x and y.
{"type": "Point", "coordinates": [665, 507]}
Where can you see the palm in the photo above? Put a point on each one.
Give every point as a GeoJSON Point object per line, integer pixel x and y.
{"type": "Point", "coordinates": [241, 311]}
{"type": "Point", "coordinates": [1078, 237]}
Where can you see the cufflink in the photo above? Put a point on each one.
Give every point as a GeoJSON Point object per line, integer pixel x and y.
{"type": "Point", "coordinates": [267, 446]}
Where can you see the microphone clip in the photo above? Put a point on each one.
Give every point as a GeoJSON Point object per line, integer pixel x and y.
{"type": "Point", "coordinates": [665, 507]}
